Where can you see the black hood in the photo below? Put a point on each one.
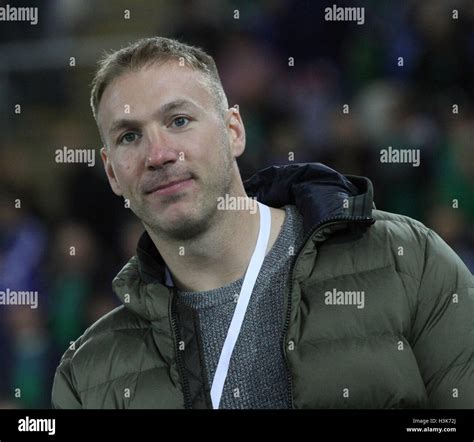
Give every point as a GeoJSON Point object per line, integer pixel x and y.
{"type": "Point", "coordinates": [319, 193]}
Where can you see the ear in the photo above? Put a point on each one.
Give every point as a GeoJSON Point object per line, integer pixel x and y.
{"type": "Point", "coordinates": [109, 170]}
{"type": "Point", "coordinates": [236, 131]}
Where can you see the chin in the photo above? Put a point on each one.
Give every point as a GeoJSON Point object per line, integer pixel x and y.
{"type": "Point", "coordinates": [185, 229]}
{"type": "Point", "coordinates": [180, 222]}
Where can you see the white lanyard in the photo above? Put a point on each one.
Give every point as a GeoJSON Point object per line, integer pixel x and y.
{"type": "Point", "coordinates": [245, 292]}
{"type": "Point", "coordinates": [251, 275]}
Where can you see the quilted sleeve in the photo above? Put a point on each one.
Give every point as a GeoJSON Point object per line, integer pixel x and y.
{"type": "Point", "coordinates": [64, 394]}
{"type": "Point", "coordinates": [443, 327]}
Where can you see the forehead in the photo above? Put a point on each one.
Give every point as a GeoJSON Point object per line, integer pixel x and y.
{"type": "Point", "coordinates": [137, 94]}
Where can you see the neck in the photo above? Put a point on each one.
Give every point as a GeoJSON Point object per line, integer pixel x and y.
{"type": "Point", "coordinates": [221, 254]}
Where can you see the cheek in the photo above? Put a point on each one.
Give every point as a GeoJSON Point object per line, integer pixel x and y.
{"type": "Point", "coordinates": [214, 144]}
{"type": "Point", "coordinates": [125, 169]}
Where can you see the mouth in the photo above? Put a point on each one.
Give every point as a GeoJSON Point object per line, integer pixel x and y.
{"type": "Point", "coordinates": [171, 187]}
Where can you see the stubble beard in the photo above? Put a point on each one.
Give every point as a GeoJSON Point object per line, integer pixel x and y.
{"type": "Point", "coordinates": [204, 211]}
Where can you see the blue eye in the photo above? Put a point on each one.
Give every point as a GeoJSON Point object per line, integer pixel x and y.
{"type": "Point", "coordinates": [180, 122]}
{"type": "Point", "coordinates": [128, 138]}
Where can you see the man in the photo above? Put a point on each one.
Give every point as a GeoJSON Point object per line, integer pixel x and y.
{"type": "Point", "coordinates": [309, 298]}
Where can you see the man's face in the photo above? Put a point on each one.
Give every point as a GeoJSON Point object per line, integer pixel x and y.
{"type": "Point", "coordinates": [169, 150]}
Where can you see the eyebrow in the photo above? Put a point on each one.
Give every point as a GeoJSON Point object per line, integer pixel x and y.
{"type": "Point", "coordinates": [162, 111]}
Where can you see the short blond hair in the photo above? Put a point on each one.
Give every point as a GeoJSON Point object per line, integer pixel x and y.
{"type": "Point", "coordinates": [148, 51]}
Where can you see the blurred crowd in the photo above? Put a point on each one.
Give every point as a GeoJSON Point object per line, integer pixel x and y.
{"type": "Point", "coordinates": [64, 234]}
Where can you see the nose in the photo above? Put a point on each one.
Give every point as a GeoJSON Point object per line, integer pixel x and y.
{"type": "Point", "coordinates": [159, 151]}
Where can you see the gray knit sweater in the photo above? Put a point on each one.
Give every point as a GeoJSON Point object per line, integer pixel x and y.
{"type": "Point", "coordinates": [257, 376]}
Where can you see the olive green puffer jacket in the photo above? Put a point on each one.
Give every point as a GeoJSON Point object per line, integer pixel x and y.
{"type": "Point", "coordinates": [379, 314]}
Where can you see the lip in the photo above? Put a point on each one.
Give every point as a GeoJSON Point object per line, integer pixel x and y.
{"type": "Point", "coordinates": [172, 187]}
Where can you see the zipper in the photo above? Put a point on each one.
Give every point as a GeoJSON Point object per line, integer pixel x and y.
{"type": "Point", "coordinates": [322, 224]}
{"type": "Point", "coordinates": [184, 379]}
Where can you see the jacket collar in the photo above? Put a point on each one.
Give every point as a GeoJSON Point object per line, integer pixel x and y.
{"type": "Point", "coordinates": [150, 263]}
{"type": "Point", "coordinates": [319, 193]}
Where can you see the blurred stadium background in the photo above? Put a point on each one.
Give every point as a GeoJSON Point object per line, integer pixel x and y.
{"type": "Point", "coordinates": [285, 109]}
